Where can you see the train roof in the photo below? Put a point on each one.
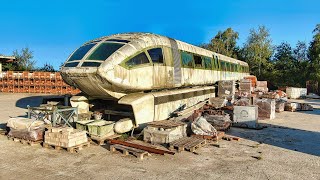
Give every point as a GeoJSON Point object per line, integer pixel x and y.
{"type": "Point", "coordinates": [143, 40]}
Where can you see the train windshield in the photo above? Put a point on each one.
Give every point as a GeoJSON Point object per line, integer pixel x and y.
{"type": "Point", "coordinates": [79, 53]}
{"type": "Point", "coordinates": [104, 50]}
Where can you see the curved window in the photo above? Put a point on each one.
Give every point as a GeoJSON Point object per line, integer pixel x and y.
{"type": "Point", "coordinates": [207, 63]}
{"type": "Point", "coordinates": [156, 55]}
{"type": "Point", "coordinates": [79, 53]}
{"type": "Point", "coordinates": [138, 59]}
{"type": "Point", "coordinates": [104, 50]}
{"type": "Point", "coordinates": [186, 59]}
{"type": "Point", "coordinates": [118, 40]}
{"type": "Point", "coordinates": [90, 64]}
{"type": "Point", "coordinates": [73, 64]}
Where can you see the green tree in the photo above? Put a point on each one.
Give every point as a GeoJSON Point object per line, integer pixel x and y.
{"type": "Point", "coordinates": [300, 52]}
{"type": "Point", "coordinates": [314, 55]}
{"type": "Point", "coordinates": [224, 43]}
{"type": "Point", "coordinates": [47, 68]}
{"type": "Point", "coordinates": [284, 66]}
{"type": "Point", "coordinates": [257, 52]}
{"type": "Point", "coordinates": [24, 59]}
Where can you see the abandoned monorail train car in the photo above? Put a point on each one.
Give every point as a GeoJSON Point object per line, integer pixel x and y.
{"type": "Point", "coordinates": [153, 74]}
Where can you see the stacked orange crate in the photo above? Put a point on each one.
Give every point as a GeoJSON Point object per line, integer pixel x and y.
{"type": "Point", "coordinates": [19, 76]}
{"type": "Point", "coordinates": [36, 80]}
{"type": "Point", "coordinates": [26, 81]}
{"type": "Point", "coordinates": [58, 83]}
{"type": "Point", "coordinates": [32, 88]}
{"type": "Point", "coordinates": [47, 82]}
{"type": "Point", "coordinates": [10, 79]}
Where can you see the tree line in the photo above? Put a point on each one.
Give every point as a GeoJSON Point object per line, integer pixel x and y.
{"type": "Point", "coordinates": [281, 65]}
{"type": "Point", "coordinates": [24, 62]}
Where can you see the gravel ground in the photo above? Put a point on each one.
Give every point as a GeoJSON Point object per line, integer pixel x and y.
{"type": "Point", "coordinates": [288, 149]}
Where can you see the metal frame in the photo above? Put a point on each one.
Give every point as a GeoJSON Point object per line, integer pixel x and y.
{"type": "Point", "coordinates": [57, 114]}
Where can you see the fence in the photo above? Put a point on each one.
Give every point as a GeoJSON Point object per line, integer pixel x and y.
{"type": "Point", "coordinates": [34, 82]}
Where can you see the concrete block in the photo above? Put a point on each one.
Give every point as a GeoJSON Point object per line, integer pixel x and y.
{"type": "Point", "coordinates": [160, 135]}
{"type": "Point", "coordinates": [245, 116]}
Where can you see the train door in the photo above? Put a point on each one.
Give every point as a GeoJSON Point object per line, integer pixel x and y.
{"type": "Point", "coordinates": [159, 69]}
{"type": "Point", "coordinates": [176, 63]}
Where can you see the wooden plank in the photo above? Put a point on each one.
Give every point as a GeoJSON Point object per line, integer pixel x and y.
{"type": "Point", "coordinates": [138, 146]}
{"type": "Point", "coordinates": [126, 150]}
{"type": "Point", "coordinates": [69, 149]}
{"type": "Point", "coordinates": [101, 140]}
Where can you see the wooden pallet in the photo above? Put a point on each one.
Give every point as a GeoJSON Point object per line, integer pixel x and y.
{"type": "Point", "coordinates": [188, 143]}
{"type": "Point", "coordinates": [127, 150]}
{"type": "Point", "coordinates": [101, 140]}
{"type": "Point", "coordinates": [23, 141]}
{"type": "Point", "coordinates": [165, 124]}
{"type": "Point", "coordinates": [69, 149]}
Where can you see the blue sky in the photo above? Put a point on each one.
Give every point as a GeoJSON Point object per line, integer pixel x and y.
{"type": "Point", "coordinates": [53, 29]}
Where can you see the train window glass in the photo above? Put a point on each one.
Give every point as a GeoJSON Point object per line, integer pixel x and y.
{"type": "Point", "coordinates": [90, 64]}
{"type": "Point", "coordinates": [79, 53]}
{"type": "Point", "coordinates": [207, 63]}
{"type": "Point", "coordinates": [223, 66]}
{"type": "Point", "coordinates": [139, 59]}
{"type": "Point", "coordinates": [228, 66]}
{"type": "Point", "coordinates": [73, 64]}
{"type": "Point", "coordinates": [187, 59]}
{"type": "Point", "coordinates": [118, 40]}
{"type": "Point", "coordinates": [104, 50]}
{"type": "Point", "coordinates": [233, 67]}
{"type": "Point", "coordinates": [156, 55]}
{"type": "Point", "coordinates": [197, 61]}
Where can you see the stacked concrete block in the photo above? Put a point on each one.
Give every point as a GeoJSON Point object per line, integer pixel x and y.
{"type": "Point", "coordinates": [245, 116]}
{"type": "Point", "coordinates": [65, 137]}
{"type": "Point", "coordinates": [157, 135]}
{"type": "Point", "coordinates": [262, 86]}
{"type": "Point", "coordinates": [245, 87]}
{"type": "Point", "coordinates": [226, 88]}
{"type": "Point", "coordinates": [280, 106]}
{"type": "Point", "coordinates": [267, 108]}
{"type": "Point", "coordinates": [294, 93]}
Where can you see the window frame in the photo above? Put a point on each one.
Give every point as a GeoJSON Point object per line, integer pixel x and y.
{"type": "Point", "coordinates": [123, 63]}
{"type": "Point", "coordinates": [86, 59]}
{"type": "Point", "coordinates": [192, 60]}
{"type": "Point", "coordinates": [163, 56]}
{"type": "Point", "coordinates": [85, 55]}
{"type": "Point", "coordinates": [204, 63]}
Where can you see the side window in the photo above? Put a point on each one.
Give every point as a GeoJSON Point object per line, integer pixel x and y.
{"type": "Point", "coordinates": [223, 67]}
{"type": "Point", "coordinates": [186, 59]}
{"type": "Point", "coordinates": [138, 59]}
{"type": "Point", "coordinates": [156, 55]}
{"type": "Point", "coordinates": [197, 61]}
{"type": "Point", "coordinates": [207, 63]}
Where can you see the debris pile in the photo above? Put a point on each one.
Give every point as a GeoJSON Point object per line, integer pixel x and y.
{"type": "Point", "coordinates": [26, 129]}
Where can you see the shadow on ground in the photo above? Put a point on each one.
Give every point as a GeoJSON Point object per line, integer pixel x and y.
{"type": "Point", "coordinates": [34, 101]}
{"type": "Point", "coordinates": [283, 137]}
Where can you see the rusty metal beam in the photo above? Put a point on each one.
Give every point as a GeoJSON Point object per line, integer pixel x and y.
{"type": "Point", "coordinates": [138, 146]}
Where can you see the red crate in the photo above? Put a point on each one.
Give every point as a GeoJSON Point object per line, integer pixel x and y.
{"type": "Point", "coordinates": [25, 75]}
{"type": "Point", "coordinates": [36, 75]}
{"type": "Point", "coordinates": [10, 74]}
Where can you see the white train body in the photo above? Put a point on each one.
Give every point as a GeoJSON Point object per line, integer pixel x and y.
{"type": "Point", "coordinates": [123, 67]}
